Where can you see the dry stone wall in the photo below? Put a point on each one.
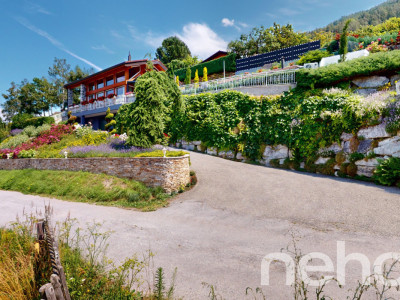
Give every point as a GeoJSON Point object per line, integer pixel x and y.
{"type": "Point", "coordinates": [170, 173]}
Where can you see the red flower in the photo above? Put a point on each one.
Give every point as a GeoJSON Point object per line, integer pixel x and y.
{"type": "Point", "coordinates": [110, 96]}
{"type": "Point", "coordinates": [166, 135]}
{"type": "Point", "coordinates": [92, 101]}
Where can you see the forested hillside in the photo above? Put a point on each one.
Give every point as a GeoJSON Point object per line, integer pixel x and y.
{"type": "Point", "coordinates": [373, 16]}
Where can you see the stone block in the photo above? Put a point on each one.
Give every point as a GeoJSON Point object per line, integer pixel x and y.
{"type": "Point", "coordinates": [346, 136]}
{"type": "Point", "coordinates": [322, 160]}
{"type": "Point", "coordinates": [366, 167]}
{"type": "Point", "coordinates": [212, 151]}
{"type": "Point", "coordinates": [370, 81]}
{"type": "Point", "coordinates": [364, 146]}
{"type": "Point", "coordinates": [240, 156]}
{"type": "Point", "coordinates": [229, 154]}
{"type": "Point", "coordinates": [275, 152]}
{"type": "Point", "coordinates": [374, 132]}
{"type": "Point", "coordinates": [390, 147]}
{"type": "Point", "coordinates": [335, 147]}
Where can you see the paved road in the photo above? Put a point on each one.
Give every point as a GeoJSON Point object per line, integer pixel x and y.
{"type": "Point", "coordinates": [219, 231]}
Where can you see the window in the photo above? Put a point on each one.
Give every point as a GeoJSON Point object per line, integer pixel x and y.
{"type": "Point", "coordinates": [100, 84]}
{"type": "Point", "coordinates": [100, 95]}
{"type": "Point", "coordinates": [120, 90]}
{"type": "Point", "coordinates": [91, 87]}
{"type": "Point", "coordinates": [121, 77]}
{"type": "Point", "coordinates": [109, 92]}
{"type": "Point", "coordinates": [109, 81]}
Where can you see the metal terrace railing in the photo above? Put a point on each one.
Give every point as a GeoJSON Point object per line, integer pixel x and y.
{"type": "Point", "coordinates": [122, 99]}
{"type": "Point", "coordinates": [242, 80]}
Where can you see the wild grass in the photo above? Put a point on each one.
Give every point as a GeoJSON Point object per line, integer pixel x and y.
{"type": "Point", "coordinates": [84, 187]}
{"type": "Point", "coordinates": [23, 267]}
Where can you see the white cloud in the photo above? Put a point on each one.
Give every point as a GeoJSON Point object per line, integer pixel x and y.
{"type": "Point", "coordinates": [201, 39]}
{"type": "Point", "coordinates": [54, 41]}
{"type": "Point", "coordinates": [228, 23]}
{"type": "Point", "coordinates": [36, 8]}
{"type": "Point", "coordinates": [289, 12]}
{"type": "Point", "coordinates": [103, 48]}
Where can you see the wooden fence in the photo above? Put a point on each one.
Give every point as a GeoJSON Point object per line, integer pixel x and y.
{"type": "Point", "coordinates": [57, 288]}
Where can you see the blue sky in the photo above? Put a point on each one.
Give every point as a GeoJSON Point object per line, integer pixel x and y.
{"type": "Point", "coordinates": [100, 33]}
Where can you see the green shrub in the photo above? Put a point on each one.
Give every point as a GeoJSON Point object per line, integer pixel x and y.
{"type": "Point", "coordinates": [351, 169]}
{"type": "Point", "coordinates": [214, 66]}
{"type": "Point", "coordinates": [313, 56]}
{"type": "Point", "coordinates": [388, 171]}
{"type": "Point", "coordinates": [28, 154]}
{"type": "Point", "coordinates": [332, 74]}
{"type": "Point", "coordinates": [14, 141]}
{"type": "Point", "coordinates": [24, 120]}
{"type": "Point", "coordinates": [20, 121]}
{"type": "Point", "coordinates": [356, 156]}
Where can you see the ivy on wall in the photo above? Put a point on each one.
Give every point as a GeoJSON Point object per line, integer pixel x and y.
{"type": "Point", "coordinates": [305, 121]}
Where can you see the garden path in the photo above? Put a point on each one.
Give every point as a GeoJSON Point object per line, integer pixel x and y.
{"type": "Point", "coordinates": [219, 231]}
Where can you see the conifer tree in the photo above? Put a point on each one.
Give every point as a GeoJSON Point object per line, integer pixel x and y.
{"type": "Point", "coordinates": [343, 47]}
{"type": "Point", "coordinates": [205, 73]}
{"type": "Point", "coordinates": [110, 126]}
{"type": "Point", "coordinates": [188, 78]}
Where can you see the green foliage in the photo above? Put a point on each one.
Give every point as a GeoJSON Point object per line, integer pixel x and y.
{"type": "Point", "coordinates": [333, 74]}
{"type": "Point", "coordinates": [214, 66]}
{"type": "Point", "coordinates": [33, 131]}
{"type": "Point", "coordinates": [159, 153]}
{"type": "Point", "coordinates": [110, 126]}
{"type": "Point", "coordinates": [302, 120]}
{"type": "Point", "coordinates": [343, 45]}
{"type": "Point", "coordinates": [351, 169]}
{"type": "Point", "coordinates": [356, 156]}
{"type": "Point", "coordinates": [159, 285]}
{"type": "Point", "coordinates": [313, 56]}
{"type": "Point", "coordinates": [172, 48]}
{"type": "Point", "coordinates": [369, 18]}
{"type": "Point", "coordinates": [262, 40]}
{"type": "Point", "coordinates": [388, 172]}
{"type": "Point", "coordinates": [71, 118]}
{"type": "Point", "coordinates": [28, 154]}
{"type": "Point", "coordinates": [83, 187]}
{"type": "Point", "coordinates": [144, 120]}
{"type": "Point", "coordinates": [188, 75]}
{"type": "Point", "coordinates": [14, 141]}
{"type": "Point", "coordinates": [20, 121]}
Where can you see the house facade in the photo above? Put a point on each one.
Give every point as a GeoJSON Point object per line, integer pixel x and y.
{"type": "Point", "coordinates": [111, 87]}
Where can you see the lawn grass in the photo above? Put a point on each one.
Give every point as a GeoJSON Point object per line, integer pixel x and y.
{"type": "Point", "coordinates": [84, 187]}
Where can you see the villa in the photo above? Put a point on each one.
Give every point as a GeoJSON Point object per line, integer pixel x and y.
{"type": "Point", "coordinates": [111, 87]}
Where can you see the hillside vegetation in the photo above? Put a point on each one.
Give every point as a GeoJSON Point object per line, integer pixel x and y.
{"type": "Point", "coordinates": [373, 16]}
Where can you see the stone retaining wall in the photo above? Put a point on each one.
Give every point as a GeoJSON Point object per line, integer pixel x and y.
{"type": "Point", "coordinates": [170, 173]}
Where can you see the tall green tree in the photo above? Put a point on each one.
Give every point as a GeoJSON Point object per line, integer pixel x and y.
{"type": "Point", "coordinates": [12, 103]}
{"type": "Point", "coordinates": [188, 78]}
{"type": "Point", "coordinates": [344, 41]}
{"type": "Point", "coordinates": [158, 100]}
{"type": "Point", "coordinates": [172, 48]}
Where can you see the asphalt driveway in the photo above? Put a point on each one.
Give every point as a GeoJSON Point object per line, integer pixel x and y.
{"type": "Point", "coordinates": [219, 231]}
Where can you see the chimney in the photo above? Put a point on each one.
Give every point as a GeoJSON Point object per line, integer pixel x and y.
{"type": "Point", "coordinates": [129, 56]}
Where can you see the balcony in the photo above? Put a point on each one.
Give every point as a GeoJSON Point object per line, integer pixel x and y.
{"type": "Point", "coordinates": [120, 100]}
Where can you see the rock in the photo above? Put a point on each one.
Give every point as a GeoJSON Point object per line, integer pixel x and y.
{"type": "Point", "coordinates": [389, 147]}
{"type": "Point", "coordinates": [364, 146]}
{"type": "Point", "coordinates": [394, 78]}
{"type": "Point", "coordinates": [366, 167]}
{"type": "Point", "coordinates": [346, 146]}
{"type": "Point", "coordinates": [346, 136]}
{"type": "Point", "coordinates": [322, 160]}
{"type": "Point", "coordinates": [336, 167]}
{"type": "Point", "coordinates": [239, 156]}
{"type": "Point", "coordinates": [365, 92]}
{"type": "Point", "coordinates": [371, 81]}
{"type": "Point", "coordinates": [221, 154]}
{"type": "Point", "coordinates": [190, 147]}
{"type": "Point", "coordinates": [229, 154]}
{"type": "Point", "coordinates": [196, 143]}
{"type": "Point", "coordinates": [281, 161]}
{"type": "Point", "coordinates": [275, 152]}
{"type": "Point", "coordinates": [374, 132]}
{"type": "Point", "coordinates": [302, 165]}
{"type": "Point", "coordinates": [212, 151]}
{"type": "Point", "coordinates": [335, 147]}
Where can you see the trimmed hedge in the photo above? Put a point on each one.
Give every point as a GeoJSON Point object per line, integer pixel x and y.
{"type": "Point", "coordinates": [364, 66]}
{"type": "Point", "coordinates": [214, 66]}
{"type": "Point", "coordinates": [24, 120]}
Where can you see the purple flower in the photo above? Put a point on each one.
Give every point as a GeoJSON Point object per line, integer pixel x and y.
{"type": "Point", "coordinates": [15, 132]}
